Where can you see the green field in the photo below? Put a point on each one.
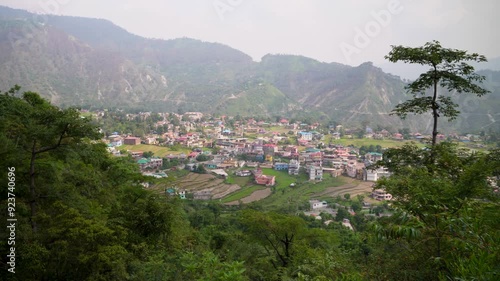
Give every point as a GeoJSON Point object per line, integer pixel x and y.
{"type": "Point", "coordinates": [279, 129]}
{"type": "Point", "coordinates": [283, 179]}
{"type": "Point", "coordinates": [303, 191]}
{"type": "Point", "coordinates": [283, 194]}
{"type": "Point", "coordinates": [160, 151]}
{"type": "Point", "coordinates": [242, 193]}
{"type": "Point", "coordinates": [368, 142]}
{"type": "Point", "coordinates": [241, 181]}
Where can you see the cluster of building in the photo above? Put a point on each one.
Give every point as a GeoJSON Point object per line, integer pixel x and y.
{"type": "Point", "coordinates": [264, 152]}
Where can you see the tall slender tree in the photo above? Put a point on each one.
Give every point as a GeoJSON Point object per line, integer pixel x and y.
{"type": "Point", "coordinates": [448, 69]}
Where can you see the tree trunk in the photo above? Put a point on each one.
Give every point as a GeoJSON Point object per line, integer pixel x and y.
{"type": "Point", "coordinates": [33, 202]}
{"type": "Point", "coordinates": [435, 114]}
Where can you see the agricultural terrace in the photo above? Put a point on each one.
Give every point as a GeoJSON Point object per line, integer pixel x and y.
{"type": "Point", "coordinates": [368, 142]}
{"type": "Point", "coordinates": [159, 151]}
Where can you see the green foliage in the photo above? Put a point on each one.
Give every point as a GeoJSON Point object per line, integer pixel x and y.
{"type": "Point", "coordinates": [276, 232]}
{"type": "Point", "coordinates": [356, 206]}
{"type": "Point", "coordinates": [437, 191]}
{"type": "Point", "coordinates": [96, 222]}
{"type": "Point", "coordinates": [209, 267]}
{"type": "Point", "coordinates": [78, 247]}
{"type": "Point", "coordinates": [449, 70]}
{"type": "Point", "coordinates": [92, 218]}
{"type": "Point", "coordinates": [371, 148]}
{"type": "Point", "coordinates": [202, 157]}
{"type": "Point", "coordinates": [244, 192]}
{"type": "Point", "coordinates": [200, 169]}
{"type": "Point", "coordinates": [148, 154]}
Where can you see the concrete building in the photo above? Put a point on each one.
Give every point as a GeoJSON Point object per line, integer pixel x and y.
{"type": "Point", "coordinates": [293, 167]}
{"type": "Point", "coordinates": [315, 173]}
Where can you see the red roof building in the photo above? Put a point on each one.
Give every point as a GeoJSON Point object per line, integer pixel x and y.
{"type": "Point", "coordinates": [265, 180]}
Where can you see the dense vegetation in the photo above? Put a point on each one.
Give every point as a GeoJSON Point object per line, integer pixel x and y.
{"type": "Point", "coordinates": [95, 64]}
{"type": "Point", "coordinates": [83, 215]}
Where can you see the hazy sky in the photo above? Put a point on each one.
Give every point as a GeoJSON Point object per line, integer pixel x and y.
{"type": "Point", "coordinates": [345, 31]}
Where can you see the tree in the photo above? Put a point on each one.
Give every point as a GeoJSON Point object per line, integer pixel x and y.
{"type": "Point", "coordinates": [37, 127]}
{"type": "Point", "coordinates": [202, 158]}
{"type": "Point", "coordinates": [276, 233]}
{"type": "Point", "coordinates": [148, 154]}
{"type": "Point", "coordinates": [437, 193]}
{"type": "Point", "coordinates": [342, 213]}
{"type": "Point", "coordinates": [448, 70]}
{"type": "Point", "coordinates": [200, 169]}
{"type": "Point", "coordinates": [405, 132]}
{"type": "Point", "coordinates": [208, 266]}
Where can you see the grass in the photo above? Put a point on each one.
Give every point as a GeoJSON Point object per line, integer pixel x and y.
{"type": "Point", "coordinates": [242, 193]}
{"type": "Point", "coordinates": [368, 142]}
{"type": "Point", "coordinates": [304, 190]}
{"type": "Point", "coordinates": [241, 181]}
{"type": "Point", "coordinates": [283, 179]}
{"type": "Point", "coordinates": [160, 151]}
{"type": "Point", "coordinates": [279, 129]}
{"type": "Point", "coordinates": [177, 174]}
{"type": "Point", "coordinates": [283, 195]}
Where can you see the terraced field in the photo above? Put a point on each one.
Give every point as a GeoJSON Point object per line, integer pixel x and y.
{"type": "Point", "coordinates": [255, 196]}
{"type": "Point", "coordinates": [243, 190]}
{"type": "Point", "coordinates": [159, 151]}
{"type": "Point", "coordinates": [351, 186]}
{"type": "Point", "coordinates": [193, 182]}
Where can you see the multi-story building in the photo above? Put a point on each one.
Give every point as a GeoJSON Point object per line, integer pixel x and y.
{"type": "Point", "coordinates": [150, 163]}
{"type": "Point", "coordinates": [315, 173]}
{"type": "Point", "coordinates": [293, 167]}
{"type": "Point", "coordinates": [306, 136]}
{"type": "Point", "coordinates": [375, 174]}
{"type": "Point", "coordinates": [280, 166]}
{"type": "Point", "coordinates": [381, 195]}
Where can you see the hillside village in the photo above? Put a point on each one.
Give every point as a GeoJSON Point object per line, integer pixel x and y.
{"type": "Point", "coordinates": [250, 140]}
{"type": "Point", "coordinates": [231, 145]}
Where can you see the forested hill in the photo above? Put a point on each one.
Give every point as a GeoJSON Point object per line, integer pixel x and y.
{"type": "Point", "coordinates": [73, 212]}
{"type": "Point", "coordinates": [94, 63]}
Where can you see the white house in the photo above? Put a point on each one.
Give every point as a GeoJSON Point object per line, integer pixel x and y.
{"type": "Point", "coordinates": [307, 136]}
{"type": "Point", "coordinates": [347, 223]}
{"type": "Point", "coordinates": [375, 174]}
{"type": "Point", "coordinates": [381, 195]}
{"type": "Point", "coordinates": [315, 173]}
{"type": "Point", "coordinates": [293, 167]}
{"type": "Point", "coordinates": [316, 204]}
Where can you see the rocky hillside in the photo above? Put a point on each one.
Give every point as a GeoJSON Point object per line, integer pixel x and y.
{"type": "Point", "coordinates": [93, 63]}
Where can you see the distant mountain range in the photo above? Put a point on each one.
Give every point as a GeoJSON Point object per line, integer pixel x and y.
{"type": "Point", "coordinates": [93, 63]}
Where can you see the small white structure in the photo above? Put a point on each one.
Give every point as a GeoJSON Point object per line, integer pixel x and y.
{"type": "Point", "coordinates": [374, 175]}
{"type": "Point", "coordinates": [381, 195]}
{"type": "Point", "coordinates": [347, 224]}
{"type": "Point", "coordinates": [219, 172]}
{"type": "Point", "coordinates": [243, 173]}
{"type": "Point", "coordinates": [182, 194]}
{"type": "Point", "coordinates": [316, 204]}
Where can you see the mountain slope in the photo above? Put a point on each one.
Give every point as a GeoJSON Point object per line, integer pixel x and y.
{"type": "Point", "coordinates": [68, 71]}
{"type": "Point", "coordinates": [92, 62]}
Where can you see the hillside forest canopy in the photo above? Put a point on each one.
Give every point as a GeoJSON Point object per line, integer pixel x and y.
{"type": "Point", "coordinates": [75, 212]}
